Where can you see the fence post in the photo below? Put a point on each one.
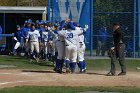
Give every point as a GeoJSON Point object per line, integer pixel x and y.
{"type": "Point", "coordinates": [3, 23]}
{"type": "Point", "coordinates": [134, 37]}
{"type": "Point", "coordinates": [48, 10]}
{"type": "Point", "coordinates": [91, 25]}
{"type": "Point", "coordinates": [139, 28]}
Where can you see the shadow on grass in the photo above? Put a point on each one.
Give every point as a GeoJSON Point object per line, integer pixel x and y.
{"type": "Point", "coordinates": [43, 64]}
{"type": "Point", "coordinates": [38, 71]}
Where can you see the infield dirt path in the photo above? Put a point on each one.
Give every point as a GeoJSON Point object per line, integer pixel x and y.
{"type": "Point", "coordinates": [11, 78]}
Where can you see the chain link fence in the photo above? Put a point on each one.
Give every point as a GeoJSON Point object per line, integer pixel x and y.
{"type": "Point", "coordinates": [107, 12]}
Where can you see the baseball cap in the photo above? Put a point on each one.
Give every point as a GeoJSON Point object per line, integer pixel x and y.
{"type": "Point", "coordinates": [18, 26]}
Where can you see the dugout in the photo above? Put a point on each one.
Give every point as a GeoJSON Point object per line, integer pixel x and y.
{"type": "Point", "coordinates": [12, 16]}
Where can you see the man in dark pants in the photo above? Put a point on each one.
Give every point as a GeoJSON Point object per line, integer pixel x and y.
{"type": "Point", "coordinates": [119, 49]}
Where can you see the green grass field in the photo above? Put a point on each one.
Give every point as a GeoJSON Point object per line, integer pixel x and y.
{"type": "Point", "coordinates": [69, 89]}
{"type": "Point", "coordinates": [96, 64]}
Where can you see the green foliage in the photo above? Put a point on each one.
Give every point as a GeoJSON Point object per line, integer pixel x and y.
{"type": "Point", "coordinates": [7, 2]}
{"type": "Point", "coordinates": [107, 8]}
{"type": "Point", "coordinates": [23, 2]}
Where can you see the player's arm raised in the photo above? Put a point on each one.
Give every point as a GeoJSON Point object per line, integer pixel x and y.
{"type": "Point", "coordinates": [81, 30]}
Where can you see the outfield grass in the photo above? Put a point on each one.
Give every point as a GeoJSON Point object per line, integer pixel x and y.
{"type": "Point", "coordinates": [104, 64]}
{"type": "Point", "coordinates": [29, 89]}
{"type": "Point", "coordinates": [23, 63]}
{"type": "Point", "coordinates": [96, 64]}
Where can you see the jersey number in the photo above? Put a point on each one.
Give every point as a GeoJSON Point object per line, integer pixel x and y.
{"type": "Point", "coordinates": [69, 35]}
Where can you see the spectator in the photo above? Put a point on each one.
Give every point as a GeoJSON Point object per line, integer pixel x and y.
{"type": "Point", "coordinates": [101, 41]}
{"type": "Point", "coordinates": [0, 32]}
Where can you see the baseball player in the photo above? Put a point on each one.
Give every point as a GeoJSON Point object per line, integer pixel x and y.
{"type": "Point", "coordinates": [60, 44]}
{"type": "Point", "coordinates": [25, 31]}
{"type": "Point", "coordinates": [52, 46]}
{"type": "Point", "coordinates": [71, 42]}
{"type": "Point", "coordinates": [45, 38]}
{"type": "Point", "coordinates": [33, 37]}
{"type": "Point", "coordinates": [18, 39]}
{"type": "Point", "coordinates": [81, 51]}
{"type": "Point", "coordinates": [41, 30]}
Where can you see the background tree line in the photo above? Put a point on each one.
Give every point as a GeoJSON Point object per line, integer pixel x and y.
{"type": "Point", "coordinates": [23, 2]}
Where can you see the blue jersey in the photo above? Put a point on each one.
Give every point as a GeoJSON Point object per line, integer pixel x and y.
{"type": "Point", "coordinates": [41, 30]}
{"type": "Point", "coordinates": [37, 28]}
{"type": "Point", "coordinates": [25, 31]}
{"type": "Point", "coordinates": [0, 30]}
{"type": "Point", "coordinates": [18, 35]}
{"type": "Point", "coordinates": [102, 35]}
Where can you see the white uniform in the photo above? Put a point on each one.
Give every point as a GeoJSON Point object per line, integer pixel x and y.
{"type": "Point", "coordinates": [54, 39]}
{"type": "Point", "coordinates": [60, 44]}
{"type": "Point", "coordinates": [33, 38]}
{"type": "Point", "coordinates": [45, 41]}
{"type": "Point", "coordinates": [81, 47]}
{"type": "Point", "coordinates": [71, 41]}
{"type": "Point", "coordinates": [17, 45]}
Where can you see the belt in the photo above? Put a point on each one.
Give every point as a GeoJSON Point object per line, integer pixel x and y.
{"type": "Point", "coordinates": [33, 41]}
{"type": "Point", "coordinates": [67, 45]}
{"type": "Point", "coordinates": [121, 43]}
{"type": "Point", "coordinates": [60, 41]}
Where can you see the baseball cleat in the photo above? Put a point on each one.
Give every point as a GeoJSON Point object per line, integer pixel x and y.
{"type": "Point", "coordinates": [122, 73]}
{"type": "Point", "coordinates": [68, 71]}
{"type": "Point", "coordinates": [110, 74]}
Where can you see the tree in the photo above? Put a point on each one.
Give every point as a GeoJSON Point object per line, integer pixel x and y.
{"type": "Point", "coordinates": [23, 2]}
{"type": "Point", "coordinates": [7, 2]}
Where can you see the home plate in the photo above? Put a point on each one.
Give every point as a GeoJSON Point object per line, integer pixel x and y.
{"type": "Point", "coordinates": [7, 66]}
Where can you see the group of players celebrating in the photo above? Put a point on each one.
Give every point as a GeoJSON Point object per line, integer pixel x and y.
{"type": "Point", "coordinates": [61, 42]}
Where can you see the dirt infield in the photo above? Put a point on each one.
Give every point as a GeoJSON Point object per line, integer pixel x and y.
{"type": "Point", "coordinates": [11, 78]}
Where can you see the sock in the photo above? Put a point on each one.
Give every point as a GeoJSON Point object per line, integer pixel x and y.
{"type": "Point", "coordinates": [81, 65]}
{"type": "Point", "coordinates": [84, 64]}
{"type": "Point", "coordinates": [14, 51]}
{"type": "Point", "coordinates": [46, 57]}
{"type": "Point", "coordinates": [57, 64]}
{"type": "Point", "coordinates": [78, 65]}
{"type": "Point", "coordinates": [37, 55]}
{"type": "Point", "coordinates": [73, 66]}
{"type": "Point", "coordinates": [67, 62]}
{"type": "Point", "coordinates": [62, 62]}
{"type": "Point", "coordinates": [31, 56]}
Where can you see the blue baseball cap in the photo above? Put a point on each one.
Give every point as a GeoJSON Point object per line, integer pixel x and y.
{"type": "Point", "coordinates": [25, 22]}
{"type": "Point", "coordinates": [18, 26]}
{"type": "Point", "coordinates": [37, 22]}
